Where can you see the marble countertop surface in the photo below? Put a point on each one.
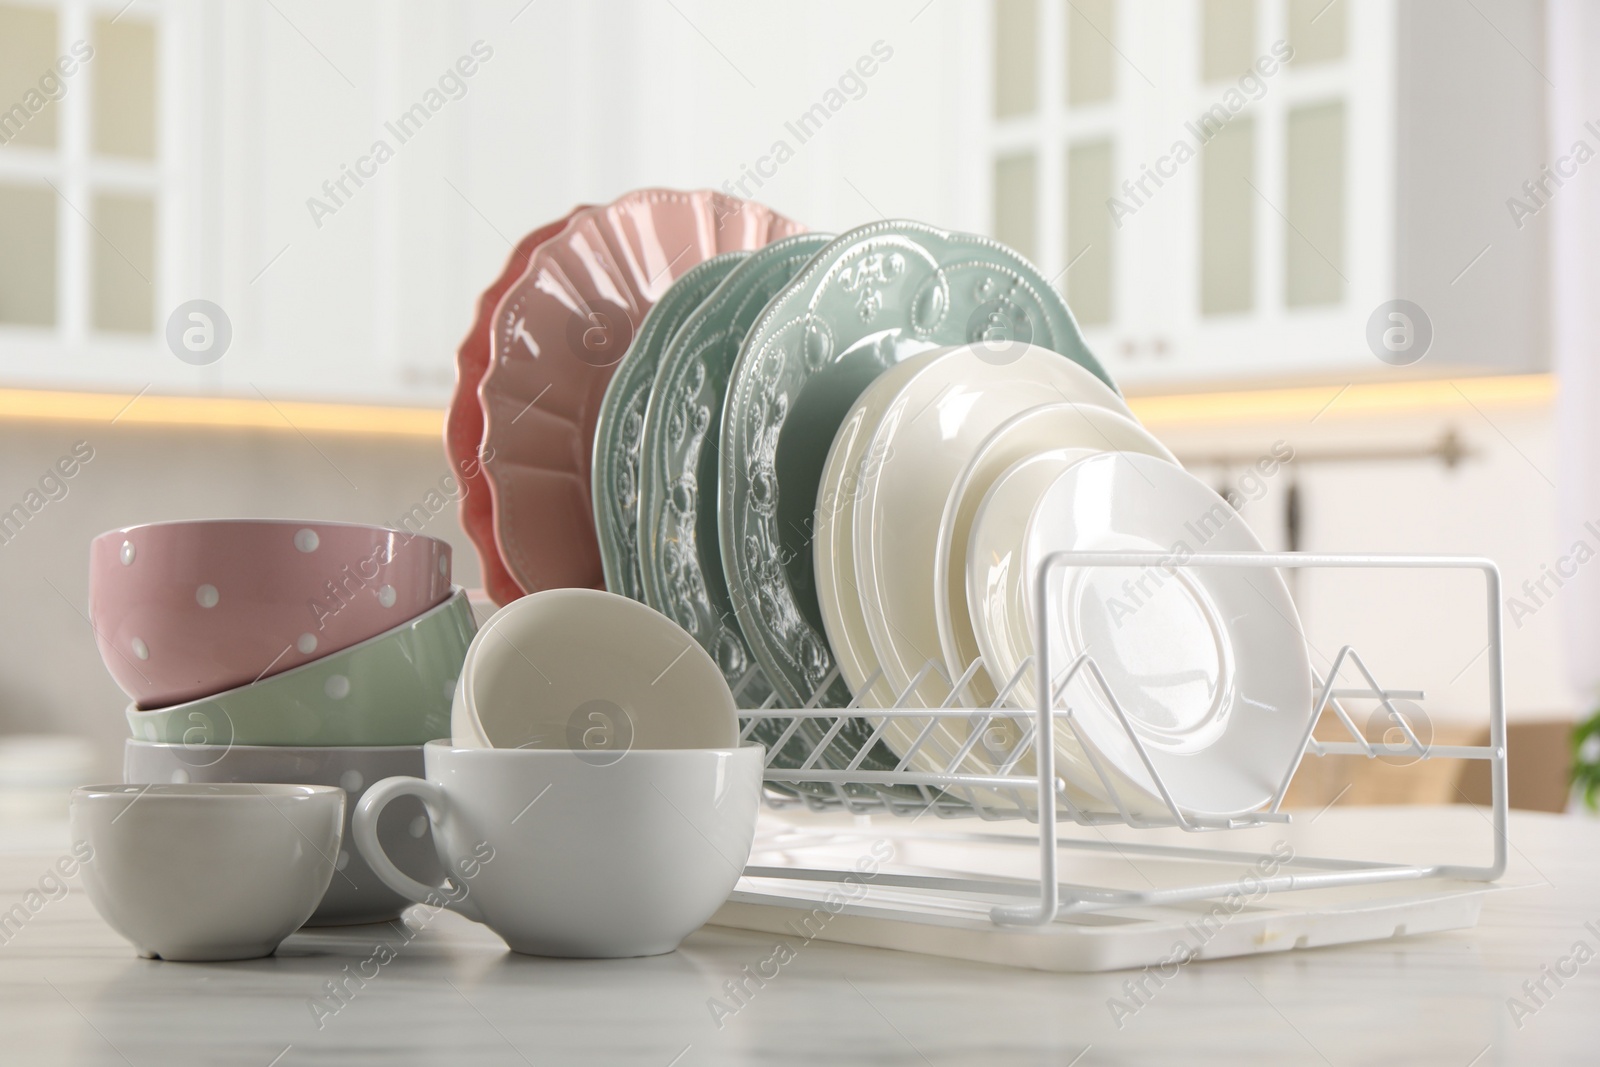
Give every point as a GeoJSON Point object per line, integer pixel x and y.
{"type": "Point", "coordinates": [72, 992]}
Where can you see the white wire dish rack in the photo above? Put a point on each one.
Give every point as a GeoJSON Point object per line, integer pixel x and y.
{"type": "Point", "coordinates": [969, 898]}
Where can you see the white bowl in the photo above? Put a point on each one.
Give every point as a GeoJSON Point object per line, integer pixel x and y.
{"type": "Point", "coordinates": [207, 872]}
{"type": "Point", "coordinates": [588, 670]}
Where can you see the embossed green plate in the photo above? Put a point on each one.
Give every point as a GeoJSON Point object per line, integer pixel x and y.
{"type": "Point", "coordinates": [620, 429]}
{"type": "Point", "coordinates": [680, 557]}
{"type": "Point", "coordinates": [873, 297]}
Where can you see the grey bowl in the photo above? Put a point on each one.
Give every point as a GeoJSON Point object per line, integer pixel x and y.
{"type": "Point", "coordinates": [355, 894]}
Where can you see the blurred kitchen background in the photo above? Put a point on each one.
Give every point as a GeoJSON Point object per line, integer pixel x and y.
{"type": "Point", "coordinates": [1231, 193]}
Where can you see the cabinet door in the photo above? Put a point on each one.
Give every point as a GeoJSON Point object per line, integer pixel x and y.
{"type": "Point", "coordinates": [87, 188]}
{"type": "Point", "coordinates": [1289, 197]}
{"type": "Point", "coordinates": [1208, 181]}
{"type": "Point", "coordinates": [1069, 107]}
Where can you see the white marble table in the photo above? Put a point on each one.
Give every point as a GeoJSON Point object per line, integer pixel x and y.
{"type": "Point", "coordinates": [72, 992]}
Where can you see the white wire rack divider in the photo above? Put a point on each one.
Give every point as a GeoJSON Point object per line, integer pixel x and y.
{"type": "Point", "coordinates": [820, 783]}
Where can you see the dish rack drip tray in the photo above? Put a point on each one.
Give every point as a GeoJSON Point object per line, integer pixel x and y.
{"type": "Point", "coordinates": [1046, 881]}
{"type": "Point", "coordinates": [889, 903]}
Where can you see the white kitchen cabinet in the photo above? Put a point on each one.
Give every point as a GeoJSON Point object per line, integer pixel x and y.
{"type": "Point", "coordinates": [365, 293]}
{"type": "Point", "coordinates": [1249, 180]}
{"type": "Point", "coordinates": [1022, 117]}
{"type": "Point", "coordinates": [258, 186]}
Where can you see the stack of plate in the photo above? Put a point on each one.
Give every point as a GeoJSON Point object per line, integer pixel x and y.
{"type": "Point", "coordinates": [839, 462]}
{"type": "Point", "coordinates": [956, 475]}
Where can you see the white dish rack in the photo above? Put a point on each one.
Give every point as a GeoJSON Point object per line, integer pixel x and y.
{"type": "Point", "coordinates": [992, 911]}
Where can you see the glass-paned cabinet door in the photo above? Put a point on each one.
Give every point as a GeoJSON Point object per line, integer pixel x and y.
{"type": "Point", "coordinates": [1068, 102]}
{"type": "Point", "coordinates": [1227, 282]}
{"type": "Point", "coordinates": [1205, 179]}
{"type": "Point", "coordinates": [81, 186]}
{"type": "Point", "coordinates": [1295, 225]}
{"type": "Point", "coordinates": [1016, 58]}
{"type": "Point", "coordinates": [28, 265]}
{"type": "Point", "coordinates": [1016, 188]}
{"type": "Point", "coordinates": [1314, 206]}
{"type": "Point", "coordinates": [1089, 236]}
{"type": "Point", "coordinates": [29, 127]}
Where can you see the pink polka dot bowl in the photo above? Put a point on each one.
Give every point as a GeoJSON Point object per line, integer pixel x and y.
{"type": "Point", "coordinates": [183, 610]}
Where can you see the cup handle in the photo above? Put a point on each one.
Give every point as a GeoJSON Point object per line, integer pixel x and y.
{"type": "Point", "coordinates": [364, 826]}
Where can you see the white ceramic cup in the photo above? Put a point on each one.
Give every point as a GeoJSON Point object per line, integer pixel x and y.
{"type": "Point", "coordinates": [208, 872]}
{"type": "Point", "coordinates": [563, 856]}
{"type": "Point", "coordinates": [355, 895]}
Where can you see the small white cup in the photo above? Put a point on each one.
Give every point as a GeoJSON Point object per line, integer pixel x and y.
{"type": "Point", "coordinates": [565, 856]}
{"type": "Point", "coordinates": [208, 872]}
{"type": "Point", "coordinates": [355, 895]}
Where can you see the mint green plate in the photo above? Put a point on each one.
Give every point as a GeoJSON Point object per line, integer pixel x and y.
{"type": "Point", "coordinates": [619, 429]}
{"type": "Point", "coordinates": [871, 298]}
{"type": "Point", "coordinates": [680, 559]}
{"type": "Point", "coordinates": [393, 689]}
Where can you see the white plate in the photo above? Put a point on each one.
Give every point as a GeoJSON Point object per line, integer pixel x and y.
{"type": "Point", "coordinates": [848, 469]}
{"type": "Point", "coordinates": [1209, 663]}
{"type": "Point", "coordinates": [1065, 425]}
{"type": "Point", "coordinates": [935, 423]}
{"type": "Point", "coordinates": [1001, 623]}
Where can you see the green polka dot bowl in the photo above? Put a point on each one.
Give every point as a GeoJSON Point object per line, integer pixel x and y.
{"type": "Point", "coordinates": [393, 689]}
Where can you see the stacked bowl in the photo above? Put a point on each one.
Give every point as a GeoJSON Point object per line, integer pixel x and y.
{"type": "Point", "coordinates": [290, 652]}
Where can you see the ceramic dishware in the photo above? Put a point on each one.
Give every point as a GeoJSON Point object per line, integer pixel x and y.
{"type": "Point", "coordinates": [186, 609]}
{"type": "Point", "coordinates": [879, 507]}
{"type": "Point", "coordinates": [874, 296]}
{"type": "Point", "coordinates": [679, 558]}
{"type": "Point", "coordinates": [933, 425]}
{"type": "Point", "coordinates": [849, 469]}
{"type": "Point", "coordinates": [558, 335]}
{"type": "Point", "coordinates": [923, 433]}
{"type": "Point", "coordinates": [996, 597]}
{"type": "Point", "coordinates": [1037, 430]}
{"type": "Point", "coordinates": [207, 872]}
{"type": "Point", "coordinates": [393, 689]}
{"type": "Point", "coordinates": [562, 856]}
{"type": "Point", "coordinates": [619, 432]}
{"type": "Point", "coordinates": [354, 895]}
{"type": "Point", "coordinates": [463, 428]}
{"type": "Point", "coordinates": [1208, 663]}
{"type": "Point", "coordinates": [590, 670]}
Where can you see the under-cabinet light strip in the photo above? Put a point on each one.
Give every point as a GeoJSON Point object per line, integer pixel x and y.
{"type": "Point", "coordinates": [1356, 400]}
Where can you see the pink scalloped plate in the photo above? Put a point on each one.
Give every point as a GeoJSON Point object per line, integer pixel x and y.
{"type": "Point", "coordinates": [463, 428]}
{"type": "Point", "coordinates": [557, 337]}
